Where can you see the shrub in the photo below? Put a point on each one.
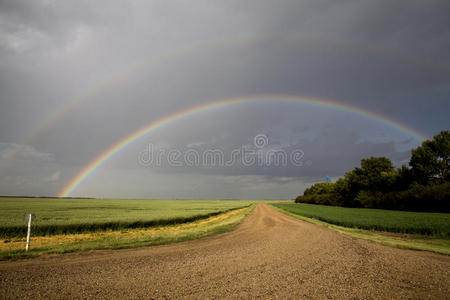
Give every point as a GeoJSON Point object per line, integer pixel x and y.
{"type": "Point", "coordinates": [320, 188]}
{"type": "Point", "coordinates": [416, 198]}
{"type": "Point", "coordinates": [332, 199]}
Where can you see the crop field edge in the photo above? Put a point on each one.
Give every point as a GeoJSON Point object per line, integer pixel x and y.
{"type": "Point", "coordinates": [47, 230]}
{"type": "Point", "coordinates": [419, 243]}
{"type": "Point", "coordinates": [200, 233]}
{"type": "Point", "coordinates": [351, 217]}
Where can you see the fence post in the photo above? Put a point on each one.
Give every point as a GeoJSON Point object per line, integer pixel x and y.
{"type": "Point", "coordinates": [30, 217]}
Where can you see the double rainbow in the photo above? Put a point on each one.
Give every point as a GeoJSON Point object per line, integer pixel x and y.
{"type": "Point", "coordinates": [164, 57]}
{"type": "Point", "coordinates": [123, 143]}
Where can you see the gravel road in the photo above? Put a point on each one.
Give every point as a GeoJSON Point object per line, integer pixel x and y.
{"type": "Point", "coordinates": [270, 255]}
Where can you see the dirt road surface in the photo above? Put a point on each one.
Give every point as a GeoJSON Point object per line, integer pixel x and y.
{"type": "Point", "coordinates": [270, 255]}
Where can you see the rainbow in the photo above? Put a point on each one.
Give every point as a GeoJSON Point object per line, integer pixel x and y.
{"type": "Point", "coordinates": [131, 69]}
{"type": "Point", "coordinates": [98, 88]}
{"type": "Point", "coordinates": [121, 144]}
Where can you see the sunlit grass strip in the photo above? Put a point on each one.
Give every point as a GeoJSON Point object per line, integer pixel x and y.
{"type": "Point", "coordinates": [61, 229]}
{"type": "Point", "coordinates": [413, 242]}
{"type": "Point", "coordinates": [130, 238]}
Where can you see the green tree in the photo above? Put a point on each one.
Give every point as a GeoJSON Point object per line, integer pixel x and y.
{"type": "Point", "coordinates": [430, 162]}
{"type": "Point", "coordinates": [320, 188]}
{"type": "Point", "coordinates": [375, 174]}
{"type": "Point", "coordinates": [342, 188]}
{"type": "Point", "coordinates": [404, 178]}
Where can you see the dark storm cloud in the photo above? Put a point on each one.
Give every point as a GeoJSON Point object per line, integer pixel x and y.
{"type": "Point", "coordinates": [333, 152]}
{"type": "Point", "coordinates": [389, 57]}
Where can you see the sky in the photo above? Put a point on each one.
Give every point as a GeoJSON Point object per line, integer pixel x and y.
{"type": "Point", "coordinates": [77, 77]}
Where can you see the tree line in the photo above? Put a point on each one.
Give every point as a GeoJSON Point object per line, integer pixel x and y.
{"type": "Point", "coordinates": [424, 185]}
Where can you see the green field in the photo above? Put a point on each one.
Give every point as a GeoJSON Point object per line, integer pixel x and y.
{"type": "Point", "coordinates": [432, 224]}
{"type": "Point", "coordinates": [65, 216]}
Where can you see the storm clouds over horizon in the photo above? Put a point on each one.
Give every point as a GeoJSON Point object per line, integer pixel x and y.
{"type": "Point", "coordinates": [131, 63]}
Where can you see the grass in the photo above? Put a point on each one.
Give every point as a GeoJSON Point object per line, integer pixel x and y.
{"type": "Point", "coordinates": [432, 224]}
{"type": "Point", "coordinates": [69, 216]}
{"type": "Point", "coordinates": [362, 223]}
{"type": "Point", "coordinates": [113, 239]}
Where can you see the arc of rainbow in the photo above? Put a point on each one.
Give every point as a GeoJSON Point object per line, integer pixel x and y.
{"type": "Point", "coordinates": [121, 144]}
{"type": "Point", "coordinates": [131, 69]}
{"type": "Point", "coordinates": [115, 78]}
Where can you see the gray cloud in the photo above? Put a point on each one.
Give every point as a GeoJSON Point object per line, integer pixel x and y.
{"type": "Point", "coordinates": [333, 152]}
{"type": "Point", "coordinates": [23, 152]}
{"type": "Point", "coordinates": [387, 57]}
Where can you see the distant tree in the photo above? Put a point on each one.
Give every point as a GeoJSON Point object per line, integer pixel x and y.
{"type": "Point", "coordinates": [345, 191]}
{"type": "Point", "coordinates": [377, 184]}
{"type": "Point", "coordinates": [404, 178]}
{"type": "Point", "coordinates": [320, 188]}
{"type": "Point", "coordinates": [375, 174]}
{"type": "Point", "coordinates": [430, 162]}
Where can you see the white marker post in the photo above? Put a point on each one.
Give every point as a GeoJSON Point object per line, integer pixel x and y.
{"type": "Point", "coordinates": [30, 217]}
